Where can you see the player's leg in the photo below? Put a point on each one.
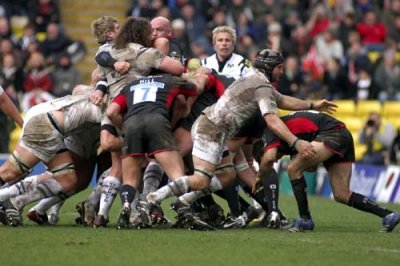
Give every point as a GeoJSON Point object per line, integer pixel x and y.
{"type": "Point", "coordinates": [339, 176]}
{"type": "Point", "coordinates": [295, 171]}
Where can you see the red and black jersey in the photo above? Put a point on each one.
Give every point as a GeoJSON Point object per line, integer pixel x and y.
{"type": "Point", "coordinates": [306, 125]}
{"type": "Point", "coordinates": [215, 88]}
{"type": "Point", "coordinates": [153, 94]}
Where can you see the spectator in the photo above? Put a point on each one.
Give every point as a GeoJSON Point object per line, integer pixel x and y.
{"type": "Point", "coordinates": [238, 7]}
{"type": "Point", "coordinates": [276, 40]}
{"type": "Point", "coordinates": [378, 137]}
{"type": "Point", "coordinates": [142, 9]}
{"type": "Point", "coordinates": [194, 22]}
{"type": "Point", "coordinates": [394, 32]}
{"type": "Point", "coordinates": [387, 76]}
{"type": "Point", "coordinates": [357, 60]}
{"type": "Point", "coordinates": [180, 36]}
{"type": "Point", "coordinates": [262, 27]}
{"type": "Point", "coordinates": [56, 43]}
{"type": "Point", "coordinates": [289, 24]}
{"type": "Point", "coordinates": [244, 26]}
{"type": "Point", "coordinates": [7, 47]}
{"type": "Point", "coordinates": [5, 31]}
{"type": "Point", "coordinates": [372, 32]}
{"type": "Point", "coordinates": [366, 88]}
{"type": "Point", "coordinates": [44, 12]}
{"type": "Point", "coordinates": [66, 76]}
{"type": "Point", "coordinates": [28, 36]}
{"type": "Point", "coordinates": [11, 76]}
{"type": "Point", "coordinates": [335, 81]}
{"type": "Point", "coordinates": [347, 25]}
{"type": "Point", "coordinates": [328, 46]}
{"type": "Point", "coordinates": [37, 82]}
{"type": "Point", "coordinates": [291, 80]}
{"type": "Point", "coordinates": [318, 21]}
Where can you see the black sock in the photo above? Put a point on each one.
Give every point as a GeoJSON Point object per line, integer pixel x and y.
{"type": "Point", "coordinates": [270, 182]}
{"type": "Point", "coordinates": [232, 197]}
{"type": "Point", "coordinates": [127, 194]}
{"type": "Point", "coordinates": [2, 182]}
{"type": "Point", "coordinates": [243, 204]}
{"type": "Point", "coordinates": [207, 200]}
{"type": "Point", "coordinates": [300, 192]}
{"type": "Point", "coordinates": [259, 196]}
{"type": "Point", "coordinates": [363, 203]}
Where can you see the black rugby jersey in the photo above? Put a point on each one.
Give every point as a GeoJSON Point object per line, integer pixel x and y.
{"type": "Point", "coordinates": [153, 94]}
{"type": "Point", "coordinates": [306, 125]}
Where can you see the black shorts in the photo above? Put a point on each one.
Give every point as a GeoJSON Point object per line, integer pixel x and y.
{"type": "Point", "coordinates": [340, 142]}
{"type": "Point", "coordinates": [147, 133]}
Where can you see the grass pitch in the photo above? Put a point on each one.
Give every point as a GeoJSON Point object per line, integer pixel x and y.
{"type": "Point", "coordinates": [342, 236]}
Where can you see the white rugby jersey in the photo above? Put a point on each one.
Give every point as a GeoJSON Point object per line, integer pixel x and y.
{"type": "Point", "coordinates": [235, 67]}
{"type": "Point", "coordinates": [250, 94]}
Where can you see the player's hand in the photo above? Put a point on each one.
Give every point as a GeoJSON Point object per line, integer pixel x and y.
{"type": "Point", "coordinates": [257, 184]}
{"type": "Point", "coordinates": [122, 67]}
{"type": "Point", "coordinates": [325, 106]}
{"type": "Point", "coordinates": [96, 97]}
{"type": "Point", "coordinates": [305, 149]}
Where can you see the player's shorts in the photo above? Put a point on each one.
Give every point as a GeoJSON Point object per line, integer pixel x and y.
{"type": "Point", "coordinates": [209, 140]}
{"type": "Point", "coordinates": [42, 137]}
{"type": "Point", "coordinates": [340, 142]}
{"type": "Point", "coordinates": [149, 133]}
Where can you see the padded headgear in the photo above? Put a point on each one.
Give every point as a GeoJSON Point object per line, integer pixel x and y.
{"type": "Point", "coordinates": [266, 60]}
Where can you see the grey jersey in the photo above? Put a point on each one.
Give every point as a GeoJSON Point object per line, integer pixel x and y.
{"type": "Point", "coordinates": [142, 59]}
{"type": "Point", "coordinates": [242, 100]}
{"type": "Point", "coordinates": [83, 114]}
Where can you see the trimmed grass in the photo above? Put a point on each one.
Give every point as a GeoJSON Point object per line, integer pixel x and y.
{"type": "Point", "coordinates": [342, 236]}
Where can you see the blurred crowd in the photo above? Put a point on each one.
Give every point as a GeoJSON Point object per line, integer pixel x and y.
{"type": "Point", "coordinates": [339, 49]}
{"type": "Point", "coordinates": [37, 62]}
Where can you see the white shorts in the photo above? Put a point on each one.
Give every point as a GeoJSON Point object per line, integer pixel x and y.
{"type": "Point", "coordinates": [209, 142]}
{"type": "Point", "coordinates": [40, 138]}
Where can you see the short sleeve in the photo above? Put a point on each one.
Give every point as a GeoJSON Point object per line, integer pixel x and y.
{"type": "Point", "coordinates": [267, 97]}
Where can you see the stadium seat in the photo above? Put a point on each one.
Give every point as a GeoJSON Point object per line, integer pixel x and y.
{"type": "Point", "coordinates": [360, 149]}
{"type": "Point", "coordinates": [364, 107]}
{"type": "Point", "coordinates": [353, 123]}
{"type": "Point", "coordinates": [345, 108]}
{"type": "Point", "coordinates": [391, 108]}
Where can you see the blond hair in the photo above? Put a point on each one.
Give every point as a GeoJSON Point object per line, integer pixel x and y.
{"type": "Point", "coordinates": [227, 29]}
{"type": "Point", "coordinates": [102, 26]}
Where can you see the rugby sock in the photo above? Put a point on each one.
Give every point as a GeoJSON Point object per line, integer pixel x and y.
{"type": "Point", "coordinates": [29, 183]}
{"type": "Point", "coordinates": [49, 203]}
{"type": "Point", "coordinates": [363, 203]}
{"type": "Point", "coordinates": [207, 200]}
{"type": "Point", "coordinates": [177, 187]}
{"type": "Point", "coordinates": [94, 197]}
{"type": "Point", "coordinates": [152, 177]}
{"type": "Point", "coordinates": [259, 196]}
{"type": "Point", "coordinates": [190, 197]}
{"type": "Point", "coordinates": [45, 189]}
{"type": "Point", "coordinates": [127, 194]}
{"type": "Point", "coordinates": [109, 191]}
{"type": "Point", "coordinates": [300, 193]}
{"type": "Point", "coordinates": [270, 183]}
{"type": "Point", "coordinates": [232, 197]}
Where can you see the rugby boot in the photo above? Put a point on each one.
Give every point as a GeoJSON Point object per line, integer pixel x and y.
{"type": "Point", "coordinates": [40, 219]}
{"type": "Point", "coordinates": [390, 222]}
